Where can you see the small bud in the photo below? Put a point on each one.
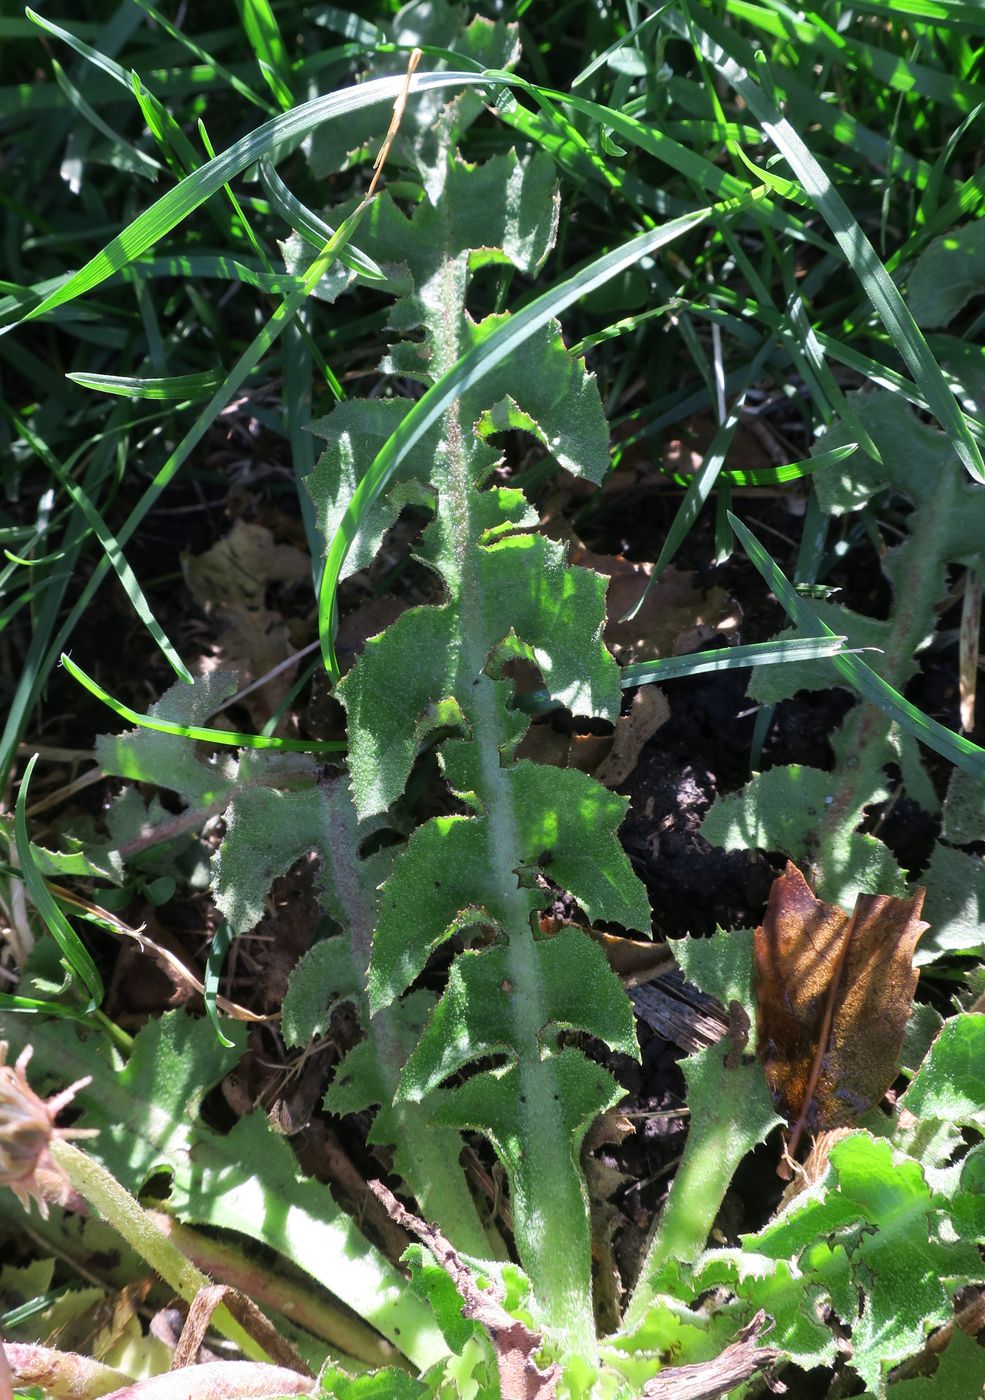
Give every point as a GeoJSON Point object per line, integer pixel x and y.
{"type": "Point", "coordinates": [27, 1126]}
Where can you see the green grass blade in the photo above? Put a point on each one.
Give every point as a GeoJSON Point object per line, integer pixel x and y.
{"type": "Point", "coordinates": [950, 11]}
{"type": "Point", "coordinates": [601, 59]}
{"type": "Point", "coordinates": [198, 732]}
{"type": "Point", "coordinates": [74, 952]}
{"type": "Point", "coordinates": [168, 211]}
{"type": "Point", "coordinates": [932, 217]}
{"type": "Point", "coordinates": [240, 372]}
{"type": "Point", "coordinates": [774, 653]}
{"type": "Point", "coordinates": [328, 375]}
{"type": "Point", "coordinates": [856, 673]}
{"type": "Point", "coordinates": [777, 476]}
{"type": "Point", "coordinates": [307, 223]}
{"type": "Point", "coordinates": [833, 348]}
{"type": "Point", "coordinates": [23, 562]}
{"type": "Point", "coordinates": [218, 948]}
{"type": "Point", "coordinates": [695, 167]}
{"type": "Point", "coordinates": [86, 51]}
{"type": "Point", "coordinates": [130, 157]}
{"type": "Point", "coordinates": [27, 596]}
{"type": "Point", "coordinates": [811, 31]}
{"type": "Point", "coordinates": [215, 265]}
{"type": "Point", "coordinates": [859, 252]}
{"type": "Point", "coordinates": [37, 1006]}
{"type": "Point", "coordinates": [697, 663]}
{"type": "Point", "coordinates": [111, 548]}
{"type": "Point", "coordinates": [169, 135]}
{"type": "Point", "coordinates": [702, 482]}
{"type": "Point", "coordinates": [127, 577]}
{"type": "Point", "coordinates": [174, 387]}
{"type": "Point", "coordinates": [264, 36]}
{"type": "Point", "coordinates": [237, 208]}
{"type": "Point", "coordinates": [235, 83]}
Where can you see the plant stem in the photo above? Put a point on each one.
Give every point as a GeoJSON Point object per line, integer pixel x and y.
{"type": "Point", "coordinates": [731, 1112]}
{"type": "Point", "coordinates": [551, 1216]}
{"type": "Point", "coordinates": [102, 1190]}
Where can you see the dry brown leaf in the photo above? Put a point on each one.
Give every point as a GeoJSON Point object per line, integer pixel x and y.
{"type": "Point", "coordinates": [676, 618]}
{"type": "Point", "coordinates": [609, 757]}
{"type": "Point", "coordinates": [648, 711]}
{"type": "Point", "coordinates": [231, 580]}
{"type": "Point", "coordinates": [237, 571]}
{"type": "Point", "coordinates": [604, 1181]}
{"type": "Point", "coordinates": [631, 959]}
{"type": "Point", "coordinates": [834, 993]}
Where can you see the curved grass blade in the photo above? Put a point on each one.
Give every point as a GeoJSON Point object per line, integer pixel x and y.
{"type": "Point", "coordinates": [776, 476]}
{"type": "Point", "coordinates": [218, 949]}
{"type": "Point", "coordinates": [701, 484]}
{"type": "Point", "coordinates": [858, 251]}
{"type": "Point", "coordinates": [112, 550]}
{"type": "Point", "coordinates": [244, 366]}
{"type": "Point", "coordinates": [469, 370]}
{"type": "Point", "coordinates": [697, 663]}
{"type": "Point", "coordinates": [307, 223]}
{"type": "Point", "coordinates": [198, 52]}
{"type": "Point", "coordinates": [856, 673]}
{"type": "Point", "coordinates": [176, 386]}
{"type": "Point", "coordinates": [197, 732]}
{"type": "Point", "coordinates": [23, 562]}
{"type": "Point", "coordinates": [84, 50]}
{"type": "Point", "coordinates": [131, 158]}
{"type": "Point", "coordinates": [74, 952]}
{"type": "Point", "coordinates": [168, 211]}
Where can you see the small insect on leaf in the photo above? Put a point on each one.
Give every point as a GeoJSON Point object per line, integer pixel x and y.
{"type": "Point", "coordinates": [833, 992]}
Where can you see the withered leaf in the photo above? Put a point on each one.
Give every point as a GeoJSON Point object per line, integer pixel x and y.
{"type": "Point", "coordinates": [833, 992]}
{"type": "Point", "coordinates": [632, 960]}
